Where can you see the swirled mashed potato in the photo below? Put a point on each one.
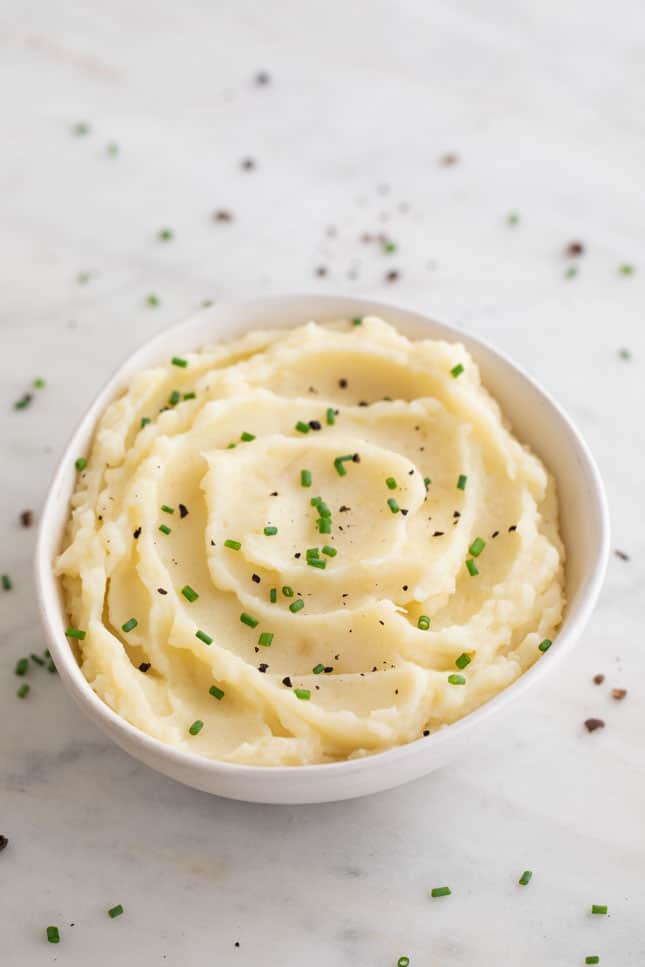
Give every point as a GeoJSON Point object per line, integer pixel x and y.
{"type": "Point", "coordinates": [309, 545]}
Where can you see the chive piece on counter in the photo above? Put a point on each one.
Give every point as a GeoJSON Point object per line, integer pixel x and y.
{"type": "Point", "coordinates": [167, 510]}
{"type": "Point", "coordinates": [196, 727]}
{"type": "Point", "coordinates": [80, 464]}
{"type": "Point", "coordinates": [393, 505]}
{"type": "Point", "coordinates": [39, 383]}
{"type": "Point", "coordinates": [273, 595]}
{"type": "Point", "coordinates": [115, 911]}
{"type": "Point", "coordinates": [166, 234]}
{"type": "Point", "coordinates": [297, 605]}
{"type": "Point", "coordinates": [22, 666]}
{"type": "Point", "coordinates": [216, 692]}
{"type": "Point", "coordinates": [189, 593]}
{"type": "Point", "coordinates": [302, 693]}
{"type": "Point", "coordinates": [270, 531]}
{"type": "Point", "coordinates": [463, 660]}
{"type": "Point", "coordinates": [265, 639]}
{"type": "Point", "coordinates": [477, 547]}
{"type": "Point", "coordinates": [287, 591]}
{"type": "Point", "coordinates": [390, 483]}
{"type": "Point", "coordinates": [599, 908]}
{"type": "Point", "coordinates": [305, 478]}
{"type": "Point", "coordinates": [152, 299]}
{"type": "Point", "coordinates": [472, 568]}
{"type": "Point", "coordinates": [165, 529]}
{"type": "Point", "coordinates": [456, 679]}
{"type": "Point", "coordinates": [592, 959]}
{"type": "Point", "coordinates": [247, 437]}
{"type": "Point", "coordinates": [456, 371]}
{"type": "Point", "coordinates": [248, 619]}
{"type": "Point", "coordinates": [302, 427]}
{"type": "Point", "coordinates": [403, 962]}
{"type": "Point", "coordinates": [130, 624]}
{"type": "Point", "coordinates": [317, 562]}
{"type": "Point", "coordinates": [204, 637]}
{"type": "Point", "coordinates": [37, 660]}
{"type": "Point", "coordinates": [144, 421]}
{"type": "Point", "coordinates": [525, 878]}
{"type": "Point", "coordinates": [462, 480]}
{"type": "Point", "coordinates": [424, 622]}
{"type": "Point", "coordinates": [234, 545]}
{"type": "Point", "coordinates": [440, 891]}
{"type": "Point", "coordinates": [324, 525]}
{"type": "Point", "coordinates": [24, 690]}
{"type": "Point", "coordinates": [331, 416]}
{"type": "Point", "coordinates": [317, 669]}
{"type": "Point", "coordinates": [329, 551]}
{"type": "Point", "coordinates": [545, 645]}
{"type": "Point", "coordinates": [75, 633]}
{"type": "Point", "coordinates": [6, 582]}
{"type": "Point", "coordinates": [178, 361]}
{"type": "Point", "coordinates": [51, 667]}
{"type": "Point", "coordinates": [358, 321]}
{"type": "Point", "coordinates": [53, 935]}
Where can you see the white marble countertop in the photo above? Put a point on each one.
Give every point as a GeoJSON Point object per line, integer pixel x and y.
{"type": "Point", "coordinates": [543, 106]}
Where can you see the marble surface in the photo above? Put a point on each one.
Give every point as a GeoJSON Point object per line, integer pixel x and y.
{"type": "Point", "coordinates": [543, 106]}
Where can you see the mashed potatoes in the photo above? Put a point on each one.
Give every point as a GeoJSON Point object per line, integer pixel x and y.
{"type": "Point", "coordinates": [309, 545]}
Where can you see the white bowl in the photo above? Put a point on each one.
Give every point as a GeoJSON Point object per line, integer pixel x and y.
{"type": "Point", "coordinates": [536, 419]}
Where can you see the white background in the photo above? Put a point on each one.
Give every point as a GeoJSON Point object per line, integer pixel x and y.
{"type": "Point", "coordinates": [543, 103]}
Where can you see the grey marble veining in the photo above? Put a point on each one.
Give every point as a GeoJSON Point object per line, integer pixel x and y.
{"type": "Point", "coordinates": [543, 105]}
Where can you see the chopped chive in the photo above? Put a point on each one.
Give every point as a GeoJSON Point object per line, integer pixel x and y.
{"type": "Point", "coordinates": [545, 645]}
{"type": "Point", "coordinates": [463, 660]}
{"type": "Point", "coordinates": [23, 402]}
{"type": "Point", "coordinates": [231, 446]}
{"type": "Point", "coordinates": [174, 397]}
{"type": "Point", "coordinates": [53, 935]}
{"type": "Point", "coordinates": [190, 396]}
{"type": "Point", "coordinates": [424, 622]}
{"type": "Point", "coordinates": [592, 959]}
{"type": "Point", "coordinates": [152, 299]}
{"type": "Point", "coordinates": [302, 427]}
{"type": "Point", "coordinates": [317, 562]}
{"type": "Point", "coordinates": [115, 911]}
{"type": "Point", "coordinates": [312, 552]}
{"type": "Point", "coordinates": [204, 637]}
{"type": "Point", "coordinates": [599, 908]}
{"type": "Point", "coordinates": [196, 727]}
{"type": "Point", "coordinates": [461, 481]}
{"type": "Point", "coordinates": [234, 545]}
{"type": "Point", "coordinates": [390, 483]}
{"type": "Point", "coordinates": [24, 690]}
{"type": "Point", "coordinates": [297, 606]}
{"type": "Point", "coordinates": [248, 619]}
{"type": "Point", "coordinates": [80, 464]}
{"type": "Point", "coordinates": [178, 361]}
{"type": "Point", "coordinates": [456, 371]}
{"type": "Point", "coordinates": [130, 624]}
{"type": "Point", "coordinates": [403, 962]}
{"type": "Point", "coordinates": [144, 421]}
{"type": "Point", "coordinates": [80, 129]}
{"type": "Point", "coordinates": [39, 383]}
{"type": "Point", "coordinates": [513, 218]}
{"type": "Point", "coordinates": [626, 269]}
{"type": "Point", "coordinates": [389, 247]}
{"type": "Point", "coordinates": [393, 505]}
{"type": "Point", "coordinates": [216, 692]}
{"type": "Point", "coordinates": [22, 666]}
{"type": "Point", "coordinates": [273, 595]}
{"type": "Point", "coordinates": [331, 416]}
{"type": "Point", "coordinates": [165, 529]}
{"type": "Point", "coordinates": [37, 659]}
{"type": "Point", "coordinates": [75, 633]}
{"type": "Point", "coordinates": [324, 525]}
{"type": "Point", "coordinates": [456, 679]}
{"type": "Point", "coordinates": [190, 594]}
{"type": "Point", "coordinates": [525, 878]}
{"type": "Point", "coordinates": [427, 481]}
{"type": "Point", "coordinates": [287, 591]}
{"type": "Point", "coordinates": [358, 321]}
{"type": "Point", "coordinates": [166, 234]}
{"type": "Point", "coordinates": [270, 531]}
{"type": "Point", "coordinates": [302, 693]}
{"type": "Point", "coordinates": [317, 669]}
{"type": "Point", "coordinates": [305, 478]}
{"type": "Point", "coordinates": [477, 547]}
{"type": "Point", "coordinates": [623, 354]}
{"type": "Point", "coordinates": [323, 509]}
{"type": "Point", "coordinates": [247, 437]}
{"type": "Point", "coordinates": [167, 510]}
{"type": "Point", "coordinates": [440, 891]}
{"type": "Point", "coordinates": [339, 463]}
{"type": "Point", "coordinates": [473, 570]}
{"type": "Point", "coordinates": [329, 551]}
{"type": "Point", "coordinates": [265, 639]}
{"type": "Point", "coordinates": [51, 667]}
{"type": "Point", "coordinates": [6, 582]}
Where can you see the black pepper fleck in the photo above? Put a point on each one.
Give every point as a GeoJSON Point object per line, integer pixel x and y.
{"type": "Point", "coordinates": [162, 591]}
{"type": "Point", "coordinates": [255, 578]}
{"type": "Point", "coordinates": [315, 424]}
{"type": "Point", "coordinates": [512, 528]}
{"type": "Point", "coordinates": [27, 518]}
{"type": "Point", "coordinates": [287, 681]}
{"type": "Point", "coordinates": [438, 534]}
{"type": "Point", "coordinates": [622, 555]}
{"type": "Point", "coordinates": [262, 667]}
{"type": "Point", "coordinates": [144, 666]}
{"type": "Point", "coordinates": [136, 534]}
{"type": "Point", "coordinates": [183, 510]}
{"type": "Point", "coordinates": [344, 508]}
{"type": "Point", "coordinates": [4, 842]}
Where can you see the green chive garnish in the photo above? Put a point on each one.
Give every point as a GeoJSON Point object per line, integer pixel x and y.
{"type": "Point", "coordinates": [427, 481]}
{"type": "Point", "coordinates": [317, 669]}
{"type": "Point", "coordinates": [144, 421]}
{"type": "Point", "coordinates": [6, 582]}
{"type": "Point", "coordinates": [22, 666]}
{"type": "Point", "coordinates": [51, 667]}
{"type": "Point", "coordinates": [305, 478]}
{"type": "Point", "coordinates": [472, 568]}
{"type": "Point", "coordinates": [440, 891]}
{"type": "Point", "coordinates": [190, 594]}
{"type": "Point", "coordinates": [80, 464]}
{"type": "Point", "coordinates": [165, 234]}
{"type": "Point", "coordinates": [302, 427]}
{"type": "Point", "coordinates": [37, 660]}
{"type": "Point", "coordinates": [178, 361]}
{"type": "Point", "coordinates": [456, 679]}
{"type": "Point", "coordinates": [545, 645]}
{"type": "Point", "coordinates": [393, 505]}
{"type": "Point", "coordinates": [115, 911]}
{"type": "Point", "coordinates": [23, 691]}
{"type": "Point", "coordinates": [247, 437]}
{"type": "Point", "coordinates": [273, 595]}
{"type": "Point", "coordinates": [270, 531]}
{"type": "Point", "coordinates": [130, 625]}
{"type": "Point", "coordinates": [357, 321]}
{"type": "Point", "coordinates": [165, 529]}
{"type": "Point", "coordinates": [302, 693]}
{"type": "Point", "coordinates": [190, 396]}
{"type": "Point", "coordinates": [312, 552]}
{"type": "Point", "coordinates": [287, 591]}
{"type": "Point", "coordinates": [216, 692]}
{"type": "Point", "coordinates": [390, 483]}
{"type": "Point", "coordinates": [323, 509]}
{"type": "Point", "coordinates": [53, 936]}
{"type": "Point", "coordinates": [329, 551]}
{"type": "Point", "coordinates": [75, 633]}
{"type": "Point", "coordinates": [297, 605]}
{"type": "Point", "coordinates": [592, 959]}
{"type": "Point", "coordinates": [324, 525]}
{"type": "Point", "coordinates": [331, 416]}
{"type": "Point", "coordinates": [234, 545]}
{"type": "Point", "coordinates": [196, 727]}
{"type": "Point", "coordinates": [599, 908]}
{"type": "Point", "coordinates": [339, 464]}
{"type": "Point", "coordinates": [463, 660]}
{"type": "Point", "coordinates": [317, 562]}
{"type": "Point", "coordinates": [424, 622]}
{"type": "Point", "coordinates": [265, 639]}
{"type": "Point", "coordinates": [403, 962]}
{"type": "Point", "coordinates": [248, 619]}
{"type": "Point", "coordinates": [231, 446]}
{"type": "Point", "coordinates": [477, 547]}
{"type": "Point", "coordinates": [456, 371]}
{"type": "Point", "coordinates": [525, 878]}
{"type": "Point", "coordinates": [204, 637]}
{"type": "Point", "coordinates": [167, 510]}
{"type": "Point", "coordinates": [461, 482]}
{"type": "Point", "coordinates": [174, 397]}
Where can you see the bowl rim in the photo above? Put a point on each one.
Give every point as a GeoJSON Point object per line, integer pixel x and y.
{"type": "Point", "coordinates": [47, 583]}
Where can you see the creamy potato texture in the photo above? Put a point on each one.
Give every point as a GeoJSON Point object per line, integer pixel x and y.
{"type": "Point", "coordinates": [320, 543]}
